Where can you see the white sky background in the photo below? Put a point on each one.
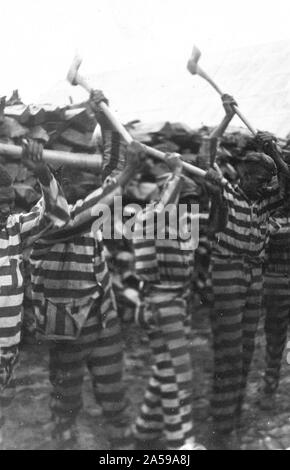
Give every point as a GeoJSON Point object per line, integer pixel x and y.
{"type": "Point", "coordinates": [39, 37]}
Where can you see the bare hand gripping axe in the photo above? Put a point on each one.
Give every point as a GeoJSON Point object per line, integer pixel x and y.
{"type": "Point", "coordinates": [194, 68]}
{"type": "Point", "coordinates": [75, 78]}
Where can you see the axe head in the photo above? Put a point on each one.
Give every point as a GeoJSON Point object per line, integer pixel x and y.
{"type": "Point", "coordinates": [192, 64]}
{"type": "Point", "coordinates": [73, 70]}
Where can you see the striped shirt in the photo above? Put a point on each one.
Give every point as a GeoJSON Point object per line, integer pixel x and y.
{"type": "Point", "coordinates": [69, 270]}
{"type": "Point", "coordinates": [278, 251]}
{"type": "Point", "coordinates": [249, 223]}
{"type": "Point", "coordinates": [51, 211]}
{"type": "Point", "coordinates": [113, 149]}
{"type": "Point", "coordinates": [162, 259]}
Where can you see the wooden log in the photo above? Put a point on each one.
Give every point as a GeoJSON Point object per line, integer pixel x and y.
{"type": "Point", "coordinates": [12, 129]}
{"type": "Point", "coordinates": [78, 139]}
{"type": "Point", "coordinates": [80, 160]}
{"type": "Point", "coordinates": [2, 108]}
{"type": "Point", "coordinates": [53, 112]}
{"type": "Point", "coordinates": [20, 112]}
{"type": "Point", "coordinates": [80, 119]}
{"type": "Point", "coordinates": [37, 115]}
{"type": "Point", "coordinates": [38, 133]}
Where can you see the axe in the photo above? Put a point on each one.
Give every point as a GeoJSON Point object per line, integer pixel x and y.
{"type": "Point", "coordinates": [80, 160]}
{"type": "Point", "coordinates": [75, 78]}
{"type": "Point", "coordinates": [194, 68]}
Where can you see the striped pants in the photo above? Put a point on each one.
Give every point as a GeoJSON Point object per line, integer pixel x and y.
{"type": "Point", "coordinates": [101, 351]}
{"type": "Point", "coordinates": [237, 303]}
{"type": "Point", "coordinates": [277, 305]}
{"type": "Point", "coordinates": [167, 405]}
{"type": "Point", "coordinates": [8, 360]}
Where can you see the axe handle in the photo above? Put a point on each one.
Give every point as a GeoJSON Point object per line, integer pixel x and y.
{"type": "Point", "coordinates": [116, 123]}
{"type": "Point", "coordinates": [245, 121]}
{"type": "Point", "coordinates": [80, 160]}
{"type": "Point", "coordinates": [151, 151]}
{"type": "Point", "coordinates": [127, 137]}
{"type": "Point", "coordinates": [204, 75]}
{"type": "Point", "coordinates": [194, 170]}
{"type": "Point", "coordinates": [80, 80]}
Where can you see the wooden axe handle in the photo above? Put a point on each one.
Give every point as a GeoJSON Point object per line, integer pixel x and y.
{"type": "Point", "coordinates": [107, 111]}
{"type": "Point", "coordinates": [127, 137]}
{"type": "Point", "coordinates": [245, 121]}
{"type": "Point", "coordinates": [81, 81]}
{"type": "Point", "coordinates": [151, 151]}
{"type": "Point", "coordinates": [194, 170]}
{"type": "Point", "coordinates": [204, 75]}
{"type": "Point", "coordinates": [80, 160]}
{"type": "Point", "coordinates": [116, 123]}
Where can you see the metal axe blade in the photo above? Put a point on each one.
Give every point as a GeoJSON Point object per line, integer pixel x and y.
{"type": "Point", "coordinates": [73, 70]}
{"type": "Point", "coordinates": [192, 64]}
{"type": "Point", "coordinates": [195, 69]}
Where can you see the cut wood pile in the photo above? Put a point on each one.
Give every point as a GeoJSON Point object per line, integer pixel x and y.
{"type": "Point", "coordinates": [68, 128]}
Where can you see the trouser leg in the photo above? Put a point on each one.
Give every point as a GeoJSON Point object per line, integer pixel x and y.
{"type": "Point", "coordinates": [106, 363]}
{"type": "Point", "coordinates": [67, 368]}
{"type": "Point", "coordinates": [251, 317]}
{"type": "Point", "coordinates": [229, 296]}
{"type": "Point", "coordinates": [169, 393]}
{"type": "Point", "coordinates": [277, 304]}
{"type": "Point", "coordinates": [8, 361]}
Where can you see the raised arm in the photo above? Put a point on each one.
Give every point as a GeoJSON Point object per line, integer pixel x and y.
{"type": "Point", "coordinates": [113, 157]}
{"type": "Point", "coordinates": [228, 104]}
{"type": "Point", "coordinates": [52, 210]}
{"type": "Point", "coordinates": [88, 209]}
{"type": "Point", "coordinates": [267, 143]}
{"type": "Point", "coordinates": [171, 190]}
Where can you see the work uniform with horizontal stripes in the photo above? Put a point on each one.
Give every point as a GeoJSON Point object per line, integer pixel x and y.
{"type": "Point", "coordinates": [165, 265]}
{"type": "Point", "coordinates": [51, 212]}
{"type": "Point", "coordinates": [112, 148]}
{"type": "Point", "coordinates": [236, 285]}
{"type": "Point", "coordinates": [75, 310]}
{"type": "Point", "coordinates": [277, 301]}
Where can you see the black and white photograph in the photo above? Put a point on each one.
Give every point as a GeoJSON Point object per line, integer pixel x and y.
{"type": "Point", "coordinates": [145, 228]}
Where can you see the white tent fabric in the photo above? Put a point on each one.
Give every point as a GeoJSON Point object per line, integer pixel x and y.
{"type": "Point", "coordinates": [258, 77]}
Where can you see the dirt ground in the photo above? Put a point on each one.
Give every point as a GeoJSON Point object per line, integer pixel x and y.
{"type": "Point", "coordinates": [28, 424]}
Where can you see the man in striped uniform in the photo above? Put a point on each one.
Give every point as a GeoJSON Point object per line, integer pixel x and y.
{"type": "Point", "coordinates": [236, 281]}
{"type": "Point", "coordinates": [75, 307]}
{"type": "Point", "coordinates": [164, 264]}
{"type": "Point", "coordinates": [15, 230]}
{"type": "Point", "coordinates": [277, 300]}
{"type": "Point", "coordinates": [277, 306]}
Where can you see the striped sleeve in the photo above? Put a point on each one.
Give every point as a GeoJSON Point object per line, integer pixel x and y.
{"type": "Point", "coordinates": [145, 220]}
{"type": "Point", "coordinates": [52, 211]}
{"type": "Point", "coordinates": [144, 241]}
{"type": "Point", "coordinates": [170, 193]}
{"type": "Point", "coordinates": [89, 208]}
{"type": "Point", "coordinates": [274, 225]}
{"type": "Point", "coordinates": [113, 156]}
{"type": "Point", "coordinates": [275, 199]}
{"type": "Point", "coordinates": [229, 193]}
